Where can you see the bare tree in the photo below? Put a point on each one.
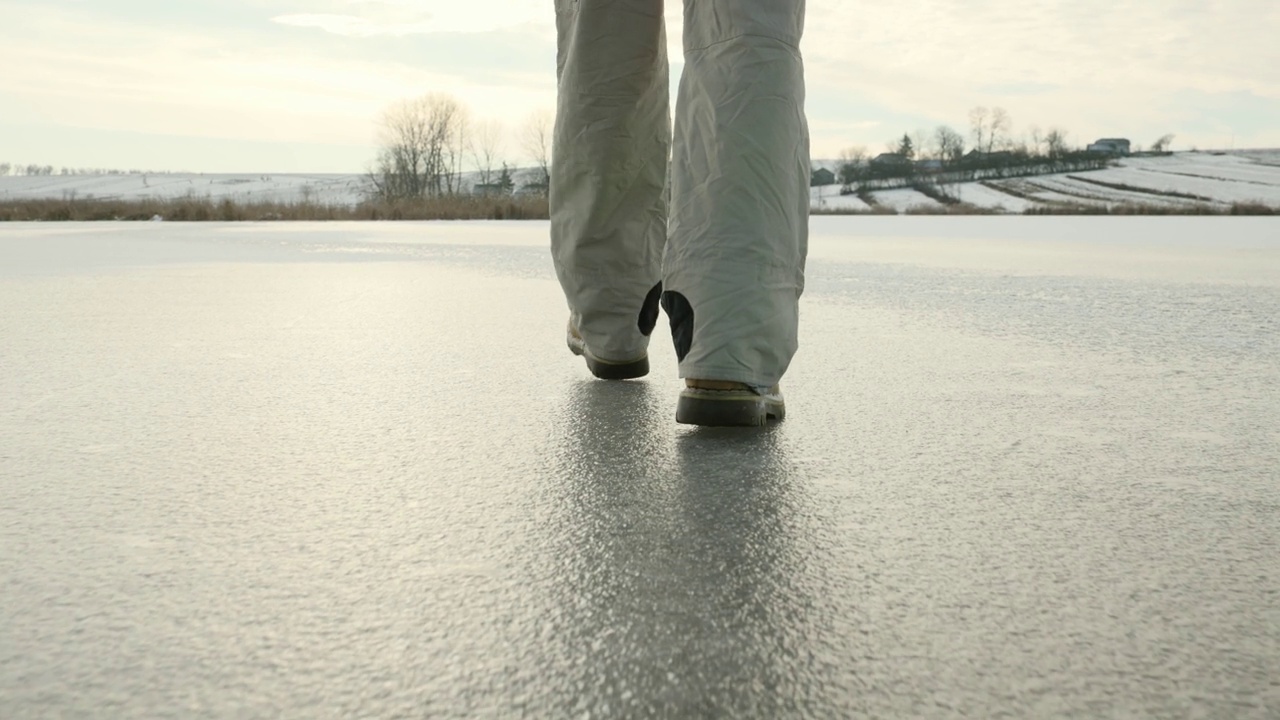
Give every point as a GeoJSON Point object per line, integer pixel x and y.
{"type": "Point", "coordinates": [979, 123]}
{"type": "Point", "coordinates": [850, 164]}
{"type": "Point", "coordinates": [419, 146]}
{"type": "Point", "coordinates": [922, 140]}
{"type": "Point", "coordinates": [999, 130]}
{"type": "Point", "coordinates": [456, 152]}
{"type": "Point", "coordinates": [950, 144]}
{"type": "Point", "coordinates": [4, 168]}
{"type": "Point", "coordinates": [486, 146]}
{"type": "Point", "coordinates": [1037, 140]}
{"type": "Point", "coordinates": [1055, 142]}
{"type": "Point", "coordinates": [536, 139]}
{"type": "Point", "coordinates": [1161, 145]}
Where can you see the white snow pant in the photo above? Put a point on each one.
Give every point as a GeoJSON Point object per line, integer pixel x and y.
{"type": "Point", "coordinates": [728, 262]}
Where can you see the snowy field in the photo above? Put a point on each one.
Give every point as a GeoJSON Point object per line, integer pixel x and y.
{"type": "Point", "coordinates": [904, 199]}
{"type": "Point", "coordinates": [329, 189]}
{"type": "Point", "coordinates": [1179, 180]}
{"type": "Point", "coordinates": [1030, 468]}
{"type": "Point", "coordinates": [282, 188]}
{"type": "Point", "coordinates": [828, 198]}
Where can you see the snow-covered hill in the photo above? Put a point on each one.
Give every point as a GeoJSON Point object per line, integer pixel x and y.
{"type": "Point", "coordinates": [326, 189]}
{"type": "Point", "coordinates": [1181, 179]}
{"type": "Point", "coordinates": [284, 188]}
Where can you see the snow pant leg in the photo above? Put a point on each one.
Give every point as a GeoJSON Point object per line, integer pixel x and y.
{"type": "Point", "coordinates": [609, 169]}
{"type": "Point", "coordinates": [734, 266]}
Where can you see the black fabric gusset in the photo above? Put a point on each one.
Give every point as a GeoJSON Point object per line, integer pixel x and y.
{"type": "Point", "coordinates": [681, 314]}
{"type": "Point", "coordinates": [649, 310]}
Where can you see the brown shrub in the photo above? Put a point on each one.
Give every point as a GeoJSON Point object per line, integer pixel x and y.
{"type": "Point", "coordinates": [196, 209]}
{"type": "Point", "coordinates": [953, 209]}
{"type": "Point", "coordinates": [873, 210]}
{"type": "Point", "coordinates": [193, 209]}
{"type": "Point", "coordinates": [1252, 208]}
{"type": "Point", "coordinates": [1141, 209]}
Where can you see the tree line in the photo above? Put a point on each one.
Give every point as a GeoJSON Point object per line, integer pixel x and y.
{"type": "Point", "coordinates": [990, 150]}
{"type": "Point", "coordinates": [37, 170]}
{"type": "Point", "coordinates": [426, 143]}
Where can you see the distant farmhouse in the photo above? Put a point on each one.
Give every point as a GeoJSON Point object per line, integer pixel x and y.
{"type": "Point", "coordinates": [1110, 146]}
{"type": "Point", "coordinates": [995, 157]}
{"type": "Point", "coordinates": [821, 177]}
{"type": "Point", "coordinates": [885, 161]}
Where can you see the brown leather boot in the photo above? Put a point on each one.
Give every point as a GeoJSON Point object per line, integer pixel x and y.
{"type": "Point", "coordinates": [719, 403]}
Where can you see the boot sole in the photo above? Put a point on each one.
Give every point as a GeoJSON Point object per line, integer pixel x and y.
{"type": "Point", "coordinates": [607, 370]}
{"type": "Point", "coordinates": [727, 408]}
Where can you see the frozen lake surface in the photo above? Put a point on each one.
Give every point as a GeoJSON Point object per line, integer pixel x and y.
{"type": "Point", "coordinates": [1031, 466]}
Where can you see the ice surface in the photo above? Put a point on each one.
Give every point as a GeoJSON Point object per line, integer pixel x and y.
{"type": "Point", "coordinates": [297, 470]}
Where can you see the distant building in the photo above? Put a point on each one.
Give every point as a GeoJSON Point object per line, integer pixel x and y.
{"type": "Point", "coordinates": [489, 189]}
{"type": "Point", "coordinates": [885, 161]}
{"type": "Point", "coordinates": [822, 176]}
{"type": "Point", "coordinates": [997, 157]}
{"type": "Point", "coordinates": [1110, 146]}
{"type": "Point", "coordinates": [932, 165]}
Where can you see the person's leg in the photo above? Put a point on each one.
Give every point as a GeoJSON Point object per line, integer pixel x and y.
{"type": "Point", "coordinates": [608, 175]}
{"type": "Point", "coordinates": [734, 267]}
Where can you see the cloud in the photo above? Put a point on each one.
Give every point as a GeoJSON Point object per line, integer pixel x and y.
{"type": "Point", "coordinates": [1093, 66]}
{"type": "Point", "coordinates": [94, 71]}
{"type": "Point", "coordinates": [400, 18]}
{"type": "Point", "coordinates": [1025, 88]}
{"type": "Point", "coordinates": [321, 70]}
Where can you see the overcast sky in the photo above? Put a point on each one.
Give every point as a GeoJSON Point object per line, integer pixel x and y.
{"type": "Point", "coordinates": [297, 85]}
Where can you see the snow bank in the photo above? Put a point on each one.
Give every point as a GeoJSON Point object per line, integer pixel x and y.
{"type": "Point", "coordinates": [828, 197]}
{"type": "Point", "coordinates": [904, 199]}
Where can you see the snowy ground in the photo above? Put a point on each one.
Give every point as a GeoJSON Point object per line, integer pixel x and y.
{"type": "Point", "coordinates": [1177, 180]}
{"type": "Point", "coordinates": [1180, 179]}
{"type": "Point", "coordinates": [828, 198]}
{"type": "Point", "coordinates": [980, 195]}
{"type": "Point", "coordinates": [283, 188]}
{"type": "Point", "coordinates": [1172, 181]}
{"type": "Point", "coordinates": [334, 189]}
{"type": "Point", "coordinates": [904, 199]}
